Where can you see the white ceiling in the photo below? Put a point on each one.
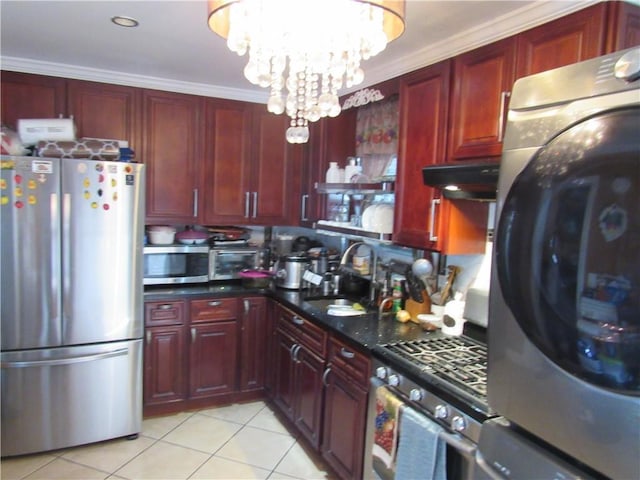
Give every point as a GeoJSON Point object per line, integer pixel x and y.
{"type": "Point", "coordinates": [173, 49]}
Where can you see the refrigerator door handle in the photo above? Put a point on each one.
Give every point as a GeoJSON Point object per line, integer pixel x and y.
{"type": "Point", "coordinates": [66, 360]}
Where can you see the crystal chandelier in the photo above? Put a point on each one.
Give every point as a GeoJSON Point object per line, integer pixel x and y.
{"type": "Point", "coordinates": [304, 51]}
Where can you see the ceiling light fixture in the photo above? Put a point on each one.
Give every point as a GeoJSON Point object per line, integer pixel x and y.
{"type": "Point", "coordinates": [311, 48]}
{"type": "Point", "coordinates": [125, 21]}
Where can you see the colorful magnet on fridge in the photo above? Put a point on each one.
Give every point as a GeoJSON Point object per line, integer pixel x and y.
{"type": "Point", "coordinates": [32, 199]}
{"type": "Point", "coordinates": [19, 204]}
{"type": "Point", "coordinates": [3, 183]}
{"type": "Point", "coordinates": [94, 204]}
{"type": "Point", "coordinates": [100, 192]}
{"type": "Point", "coordinates": [4, 200]}
{"type": "Point", "coordinates": [99, 167]}
{"type": "Point", "coordinates": [82, 167]}
{"type": "Point", "coordinates": [613, 222]}
{"type": "Point", "coordinates": [115, 196]}
{"type": "Point", "coordinates": [114, 182]}
{"type": "Point", "coordinates": [17, 192]}
{"type": "Point", "coordinates": [17, 178]}
{"type": "Point", "coordinates": [86, 182]}
{"type": "Point", "coordinates": [100, 178]}
{"type": "Point", "coordinates": [32, 185]}
{"type": "Point", "coordinates": [87, 195]}
{"type": "Point", "coordinates": [105, 206]}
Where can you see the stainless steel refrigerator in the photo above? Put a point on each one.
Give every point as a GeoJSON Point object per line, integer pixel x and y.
{"type": "Point", "coordinates": [71, 302]}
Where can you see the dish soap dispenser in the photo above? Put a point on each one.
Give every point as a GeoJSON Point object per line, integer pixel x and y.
{"type": "Point", "coordinates": [333, 173]}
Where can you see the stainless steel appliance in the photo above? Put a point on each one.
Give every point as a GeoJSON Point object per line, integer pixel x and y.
{"type": "Point", "coordinates": [172, 264]}
{"type": "Point", "coordinates": [72, 234]}
{"type": "Point", "coordinates": [289, 270]}
{"type": "Point", "coordinates": [225, 263]}
{"type": "Point", "coordinates": [443, 379]}
{"type": "Point", "coordinates": [564, 340]}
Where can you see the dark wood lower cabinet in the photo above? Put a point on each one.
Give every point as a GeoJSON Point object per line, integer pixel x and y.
{"type": "Point", "coordinates": [212, 359]}
{"type": "Point", "coordinates": [344, 425]}
{"type": "Point", "coordinates": [164, 365]}
{"type": "Point", "coordinates": [308, 387]}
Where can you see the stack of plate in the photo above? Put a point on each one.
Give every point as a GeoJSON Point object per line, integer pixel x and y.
{"type": "Point", "coordinates": [378, 217]}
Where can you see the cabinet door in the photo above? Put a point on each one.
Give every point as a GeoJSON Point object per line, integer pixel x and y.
{"type": "Point", "coordinates": [284, 379]}
{"type": "Point", "coordinates": [253, 339]}
{"type": "Point", "coordinates": [482, 81]}
{"type": "Point", "coordinates": [308, 397]}
{"type": "Point", "coordinates": [345, 412]}
{"type": "Point", "coordinates": [101, 110]}
{"type": "Point", "coordinates": [164, 364]}
{"type": "Point", "coordinates": [424, 97]}
{"type": "Point", "coordinates": [567, 40]}
{"type": "Point", "coordinates": [212, 357]}
{"type": "Point", "coordinates": [31, 96]}
{"type": "Point", "coordinates": [171, 133]}
{"type": "Point", "coordinates": [623, 25]}
{"type": "Point", "coordinates": [276, 172]}
{"type": "Point", "coordinates": [227, 167]}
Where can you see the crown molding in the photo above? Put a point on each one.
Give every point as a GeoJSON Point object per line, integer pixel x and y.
{"type": "Point", "coordinates": [498, 28]}
{"type": "Point", "coordinates": [26, 65]}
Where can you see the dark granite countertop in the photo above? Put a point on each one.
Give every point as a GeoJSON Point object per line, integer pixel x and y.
{"type": "Point", "coordinates": [365, 331]}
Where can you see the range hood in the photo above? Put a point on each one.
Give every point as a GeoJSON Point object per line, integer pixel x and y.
{"type": "Point", "coordinates": [464, 182]}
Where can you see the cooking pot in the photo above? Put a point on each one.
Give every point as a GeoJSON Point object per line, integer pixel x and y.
{"type": "Point", "coordinates": [289, 270]}
{"type": "Point", "coordinates": [191, 237]}
{"type": "Point", "coordinates": [301, 244]}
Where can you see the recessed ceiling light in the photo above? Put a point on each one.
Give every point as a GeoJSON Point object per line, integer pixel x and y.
{"type": "Point", "coordinates": [124, 21]}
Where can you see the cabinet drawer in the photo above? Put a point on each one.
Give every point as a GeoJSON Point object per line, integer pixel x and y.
{"type": "Point", "coordinates": [313, 337]}
{"type": "Point", "coordinates": [213, 309]}
{"type": "Point", "coordinates": [163, 313]}
{"type": "Point", "coordinates": [353, 363]}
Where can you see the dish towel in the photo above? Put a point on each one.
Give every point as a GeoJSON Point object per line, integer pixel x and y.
{"type": "Point", "coordinates": [386, 433]}
{"type": "Point", "coordinates": [421, 452]}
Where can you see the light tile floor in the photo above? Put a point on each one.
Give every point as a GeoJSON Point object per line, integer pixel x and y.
{"type": "Point", "coordinates": [240, 441]}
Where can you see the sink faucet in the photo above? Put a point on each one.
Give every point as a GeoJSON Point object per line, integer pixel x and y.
{"type": "Point", "coordinates": [374, 267]}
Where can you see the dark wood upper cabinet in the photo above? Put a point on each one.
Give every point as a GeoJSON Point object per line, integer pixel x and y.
{"type": "Point", "coordinates": [227, 165]}
{"type": "Point", "coordinates": [31, 96]}
{"type": "Point", "coordinates": [424, 106]}
{"type": "Point", "coordinates": [171, 124]}
{"type": "Point", "coordinates": [570, 39]}
{"type": "Point", "coordinates": [276, 168]}
{"type": "Point", "coordinates": [482, 82]}
{"type": "Point", "coordinates": [101, 110]}
{"type": "Point", "coordinates": [623, 25]}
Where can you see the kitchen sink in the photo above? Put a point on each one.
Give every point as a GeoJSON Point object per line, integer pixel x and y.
{"type": "Point", "coordinates": [323, 303]}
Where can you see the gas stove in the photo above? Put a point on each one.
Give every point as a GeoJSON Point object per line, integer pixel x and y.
{"type": "Point", "coordinates": [453, 366]}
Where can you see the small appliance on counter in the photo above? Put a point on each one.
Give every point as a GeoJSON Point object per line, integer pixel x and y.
{"type": "Point", "coordinates": [289, 270]}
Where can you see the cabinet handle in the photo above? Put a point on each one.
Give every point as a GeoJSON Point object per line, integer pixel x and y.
{"type": "Point", "coordinates": [166, 306]}
{"type": "Point", "coordinates": [246, 306]}
{"type": "Point", "coordinates": [303, 208]}
{"type": "Point", "coordinates": [325, 375]}
{"type": "Point", "coordinates": [255, 204]}
{"type": "Point", "coordinates": [297, 320]}
{"type": "Point", "coordinates": [195, 202]}
{"type": "Point", "coordinates": [148, 336]}
{"type": "Point", "coordinates": [503, 103]}
{"type": "Point", "coordinates": [432, 220]}
{"type": "Point", "coordinates": [346, 353]}
{"type": "Point", "coordinates": [193, 335]}
{"type": "Point", "coordinates": [215, 303]}
{"type": "Point", "coordinates": [291, 349]}
{"type": "Point", "coordinates": [246, 204]}
{"type": "Point", "coordinates": [295, 353]}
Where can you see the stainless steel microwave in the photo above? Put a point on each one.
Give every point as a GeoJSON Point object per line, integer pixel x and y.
{"type": "Point", "coordinates": [226, 262]}
{"type": "Point", "coordinates": [172, 264]}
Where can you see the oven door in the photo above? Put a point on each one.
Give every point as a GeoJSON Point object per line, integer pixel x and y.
{"type": "Point", "coordinates": [564, 342]}
{"type": "Point", "coordinates": [429, 450]}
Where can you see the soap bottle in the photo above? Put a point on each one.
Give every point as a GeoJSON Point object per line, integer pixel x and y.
{"type": "Point", "coordinates": [333, 173]}
{"type": "Point", "coordinates": [350, 170]}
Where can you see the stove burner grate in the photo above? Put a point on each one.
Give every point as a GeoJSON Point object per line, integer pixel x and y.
{"type": "Point", "coordinates": [456, 360]}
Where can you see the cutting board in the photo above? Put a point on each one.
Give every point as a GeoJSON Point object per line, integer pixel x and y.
{"type": "Point", "coordinates": [416, 308]}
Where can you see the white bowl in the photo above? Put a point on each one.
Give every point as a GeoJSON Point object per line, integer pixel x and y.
{"type": "Point", "coordinates": [192, 241]}
{"type": "Point", "coordinates": [161, 237]}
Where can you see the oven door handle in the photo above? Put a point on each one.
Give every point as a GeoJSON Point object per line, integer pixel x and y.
{"type": "Point", "coordinates": [461, 444]}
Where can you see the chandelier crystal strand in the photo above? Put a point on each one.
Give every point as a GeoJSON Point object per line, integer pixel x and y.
{"type": "Point", "coordinates": [305, 51]}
